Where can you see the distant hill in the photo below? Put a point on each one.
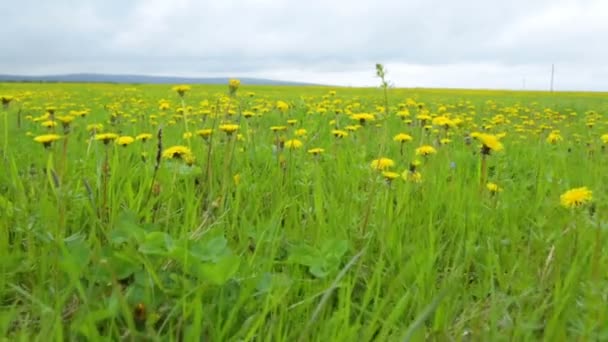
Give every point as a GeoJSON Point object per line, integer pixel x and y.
{"type": "Point", "coordinates": [140, 79]}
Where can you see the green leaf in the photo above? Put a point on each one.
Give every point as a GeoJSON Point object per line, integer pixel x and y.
{"type": "Point", "coordinates": [210, 251]}
{"type": "Point", "coordinates": [156, 243]}
{"type": "Point", "coordinates": [219, 273]}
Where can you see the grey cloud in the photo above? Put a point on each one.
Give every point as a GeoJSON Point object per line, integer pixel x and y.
{"type": "Point", "coordinates": [315, 36]}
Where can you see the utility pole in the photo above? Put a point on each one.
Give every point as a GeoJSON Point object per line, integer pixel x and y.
{"type": "Point", "coordinates": [552, 76]}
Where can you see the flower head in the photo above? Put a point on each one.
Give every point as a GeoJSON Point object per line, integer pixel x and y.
{"type": "Point", "coordinates": [233, 85]}
{"type": "Point", "coordinates": [143, 137]}
{"type": "Point", "coordinates": [425, 150]}
{"type": "Point", "coordinates": [576, 197]}
{"type": "Point", "coordinates": [229, 128]}
{"type": "Point", "coordinates": [389, 175]}
{"type": "Point", "coordinates": [382, 164]}
{"type": "Point", "coordinates": [204, 133]}
{"type": "Point", "coordinates": [489, 142]}
{"type": "Point", "coordinates": [402, 137]}
{"type": "Point", "coordinates": [178, 152]}
{"type": "Point", "coordinates": [493, 188]}
{"type": "Point", "coordinates": [124, 140]}
{"type": "Point", "coordinates": [106, 137]}
{"type": "Point", "coordinates": [339, 133]}
{"type": "Point", "coordinates": [293, 144]}
{"type": "Point", "coordinates": [363, 117]}
{"type": "Point", "coordinates": [47, 139]}
{"type": "Point", "coordinates": [181, 90]}
{"type": "Point", "coordinates": [316, 151]}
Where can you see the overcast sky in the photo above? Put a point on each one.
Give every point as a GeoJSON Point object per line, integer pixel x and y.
{"type": "Point", "coordinates": [426, 43]}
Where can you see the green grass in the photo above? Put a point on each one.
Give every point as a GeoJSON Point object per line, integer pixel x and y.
{"type": "Point", "coordinates": [96, 244]}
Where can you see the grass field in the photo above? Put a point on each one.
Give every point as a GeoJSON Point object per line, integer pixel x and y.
{"type": "Point", "coordinates": [318, 217]}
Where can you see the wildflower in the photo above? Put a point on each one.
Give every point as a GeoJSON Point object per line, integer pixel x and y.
{"type": "Point", "coordinates": [576, 197]}
{"type": "Point", "coordinates": [49, 124]}
{"type": "Point", "coordinates": [177, 152]}
{"type": "Point", "coordinates": [382, 164]}
{"type": "Point", "coordinates": [316, 151]}
{"type": "Point", "coordinates": [233, 85]}
{"type": "Point", "coordinates": [164, 105]}
{"type": "Point", "coordinates": [229, 128]}
{"type": "Point", "coordinates": [237, 179]}
{"type": "Point", "coordinates": [390, 176]}
{"type": "Point", "coordinates": [106, 137]}
{"type": "Point", "coordinates": [412, 176]}
{"type": "Point", "coordinates": [352, 128]}
{"type": "Point", "coordinates": [445, 141]}
{"type": "Point", "coordinates": [363, 118]}
{"type": "Point", "coordinates": [554, 137]}
{"type": "Point", "coordinates": [143, 137]}
{"type": "Point", "coordinates": [181, 89]}
{"type": "Point", "coordinates": [293, 144]}
{"type": "Point", "coordinates": [493, 188]}
{"type": "Point", "coordinates": [278, 128]}
{"type": "Point", "coordinates": [47, 139]}
{"type": "Point", "coordinates": [95, 128]}
{"type": "Point", "coordinates": [187, 135]}
{"type": "Point", "coordinates": [282, 106]}
{"type": "Point", "coordinates": [489, 142]}
{"type": "Point", "coordinates": [339, 133]}
{"type": "Point", "coordinates": [402, 137]}
{"type": "Point", "coordinates": [301, 132]}
{"type": "Point", "coordinates": [204, 133]}
{"type": "Point", "coordinates": [124, 141]}
{"type": "Point", "coordinates": [604, 139]}
{"type": "Point", "coordinates": [248, 114]}
{"type": "Point", "coordinates": [292, 121]}
{"type": "Point", "coordinates": [425, 150]}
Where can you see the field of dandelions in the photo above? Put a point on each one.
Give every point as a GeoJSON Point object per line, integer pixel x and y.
{"type": "Point", "coordinates": [259, 213]}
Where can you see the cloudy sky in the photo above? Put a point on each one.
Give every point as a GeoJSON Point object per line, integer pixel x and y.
{"type": "Point", "coordinates": [423, 43]}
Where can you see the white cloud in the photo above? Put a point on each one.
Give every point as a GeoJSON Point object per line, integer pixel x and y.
{"type": "Point", "coordinates": [471, 43]}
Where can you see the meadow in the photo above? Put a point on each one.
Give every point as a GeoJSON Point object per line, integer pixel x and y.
{"type": "Point", "coordinates": [260, 213]}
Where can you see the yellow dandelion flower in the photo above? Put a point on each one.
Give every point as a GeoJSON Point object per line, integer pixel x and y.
{"type": "Point", "coordinates": [576, 197]}
{"type": "Point", "coordinates": [282, 106]}
{"type": "Point", "coordinates": [339, 133]}
{"type": "Point", "coordinates": [301, 132]}
{"type": "Point", "coordinates": [95, 128]}
{"type": "Point", "coordinates": [352, 128]}
{"type": "Point", "coordinates": [204, 133]}
{"type": "Point", "coordinates": [316, 151]}
{"type": "Point", "coordinates": [47, 139]}
{"type": "Point", "coordinates": [229, 128]}
{"type": "Point", "coordinates": [177, 152]}
{"type": "Point", "coordinates": [293, 144]}
{"type": "Point", "coordinates": [425, 150]}
{"type": "Point", "coordinates": [187, 135]}
{"type": "Point", "coordinates": [106, 138]}
{"type": "Point", "coordinates": [493, 188]}
{"type": "Point", "coordinates": [554, 137]}
{"type": "Point", "coordinates": [604, 139]}
{"type": "Point", "coordinates": [389, 176]}
{"type": "Point", "coordinates": [363, 117]}
{"type": "Point", "coordinates": [124, 140]}
{"type": "Point", "coordinates": [489, 142]}
{"type": "Point", "coordinates": [278, 128]}
{"type": "Point", "coordinates": [233, 85]}
{"type": "Point", "coordinates": [412, 176]}
{"type": "Point", "coordinates": [292, 121]}
{"type": "Point", "coordinates": [181, 89]}
{"type": "Point", "coordinates": [143, 137]}
{"type": "Point", "coordinates": [382, 164]}
{"type": "Point", "coordinates": [49, 124]}
{"type": "Point", "coordinates": [402, 137]}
